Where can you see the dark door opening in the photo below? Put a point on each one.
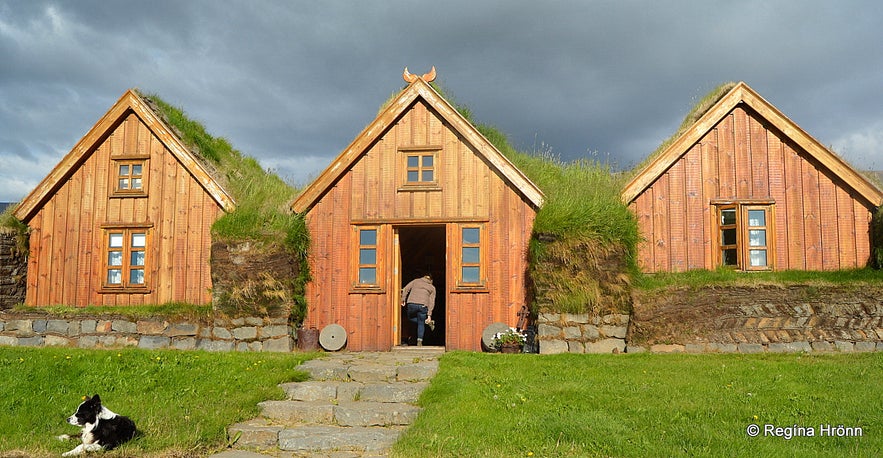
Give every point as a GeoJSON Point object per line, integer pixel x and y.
{"type": "Point", "coordinates": [423, 250]}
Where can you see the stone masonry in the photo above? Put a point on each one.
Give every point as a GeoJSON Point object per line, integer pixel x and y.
{"type": "Point", "coordinates": [759, 318]}
{"type": "Point", "coordinates": [238, 334]}
{"type": "Point", "coordinates": [581, 333]}
{"type": "Point", "coordinates": [13, 270]}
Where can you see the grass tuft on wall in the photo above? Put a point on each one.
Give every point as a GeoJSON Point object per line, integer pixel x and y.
{"type": "Point", "coordinates": [584, 237]}
{"type": "Point", "coordinates": [261, 216]}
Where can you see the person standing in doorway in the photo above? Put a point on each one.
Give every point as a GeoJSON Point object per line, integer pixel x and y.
{"type": "Point", "coordinates": [419, 298]}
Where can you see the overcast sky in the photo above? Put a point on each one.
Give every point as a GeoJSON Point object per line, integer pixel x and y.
{"type": "Point", "coordinates": [293, 82]}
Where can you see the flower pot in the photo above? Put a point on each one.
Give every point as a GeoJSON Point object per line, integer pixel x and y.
{"type": "Point", "coordinates": [511, 348]}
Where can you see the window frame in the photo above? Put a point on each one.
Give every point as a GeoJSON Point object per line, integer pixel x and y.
{"type": "Point", "coordinates": [126, 250]}
{"type": "Point", "coordinates": [460, 263]}
{"type": "Point", "coordinates": [420, 152]}
{"type": "Point", "coordinates": [743, 235]}
{"type": "Point", "coordinates": [130, 161]}
{"type": "Point", "coordinates": [358, 265]}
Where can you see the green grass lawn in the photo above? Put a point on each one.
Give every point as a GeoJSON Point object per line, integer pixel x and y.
{"type": "Point", "coordinates": [182, 402]}
{"type": "Point", "coordinates": [647, 405]}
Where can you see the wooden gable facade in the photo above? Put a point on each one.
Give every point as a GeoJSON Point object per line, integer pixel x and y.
{"type": "Point", "coordinates": [124, 218]}
{"type": "Point", "coordinates": [419, 190]}
{"type": "Point", "coordinates": [745, 187]}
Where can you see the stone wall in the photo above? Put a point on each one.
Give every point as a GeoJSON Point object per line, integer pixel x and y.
{"type": "Point", "coordinates": [13, 270]}
{"type": "Point", "coordinates": [761, 318]}
{"type": "Point", "coordinates": [239, 334]}
{"type": "Point", "coordinates": [581, 333]}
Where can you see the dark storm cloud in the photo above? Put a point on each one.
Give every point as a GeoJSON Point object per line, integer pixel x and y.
{"type": "Point", "coordinates": [292, 83]}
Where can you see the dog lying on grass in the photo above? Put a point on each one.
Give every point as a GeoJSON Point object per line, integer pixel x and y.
{"type": "Point", "coordinates": [101, 428]}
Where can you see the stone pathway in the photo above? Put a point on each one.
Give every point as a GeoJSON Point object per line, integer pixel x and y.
{"type": "Point", "coordinates": [354, 405]}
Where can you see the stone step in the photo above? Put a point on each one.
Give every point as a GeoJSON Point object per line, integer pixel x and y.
{"type": "Point", "coordinates": [322, 438]}
{"type": "Point", "coordinates": [353, 413]}
{"type": "Point", "coordinates": [368, 371]}
{"type": "Point", "coordinates": [364, 413]}
{"type": "Point", "coordinates": [258, 434]}
{"type": "Point", "coordinates": [354, 391]}
{"type": "Point", "coordinates": [293, 412]}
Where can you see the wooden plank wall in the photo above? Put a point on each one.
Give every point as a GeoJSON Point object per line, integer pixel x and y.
{"type": "Point", "coordinates": [819, 223]}
{"type": "Point", "coordinates": [67, 242]}
{"type": "Point", "coordinates": [369, 193]}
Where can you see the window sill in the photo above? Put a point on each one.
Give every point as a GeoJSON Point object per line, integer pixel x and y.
{"type": "Point", "coordinates": [367, 290]}
{"type": "Point", "coordinates": [123, 195]}
{"type": "Point", "coordinates": [419, 188]}
{"type": "Point", "coordinates": [471, 289]}
{"type": "Point", "coordinates": [123, 290]}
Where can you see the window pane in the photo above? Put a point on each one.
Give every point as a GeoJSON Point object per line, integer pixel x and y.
{"type": "Point", "coordinates": [136, 277]}
{"type": "Point", "coordinates": [114, 276]}
{"type": "Point", "coordinates": [427, 176]}
{"type": "Point", "coordinates": [427, 161]}
{"type": "Point", "coordinates": [413, 161]}
{"type": "Point", "coordinates": [470, 274]}
{"type": "Point", "coordinates": [138, 240]}
{"type": "Point", "coordinates": [757, 237]}
{"type": "Point", "coordinates": [115, 258]}
{"type": "Point", "coordinates": [367, 276]}
{"type": "Point", "coordinates": [136, 183]}
{"type": "Point", "coordinates": [757, 258]}
{"type": "Point", "coordinates": [471, 235]}
{"type": "Point", "coordinates": [730, 258]}
{"type": "Point", "coordinates": [413, 176]}
{"type": "Point", "coordinates": [124, 183]}
{"type": "Point", "coordinates": [137, 258]}
{"type": "Point", "coordinates": [116, 240]}
{"type": "Point", "coordinates": [136, 169]}
{"type": "Point", "coordinates": [124, 170]}
{"type": "Point", "coordinates": [728, 237]}
{"type": "Point", "coordinates": [756, 218]}
{"type": "Point", "coordinates": [728, 217]}
{"type": "Point", "coordinates": [367, 256]}
{"type": "Point", "coordinates": [367, 237]}
{"type": "Point", "coordinates": [470, 255]}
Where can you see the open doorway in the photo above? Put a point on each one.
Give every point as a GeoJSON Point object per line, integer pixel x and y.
{"type": "Point", "coordinates": [422, 250]}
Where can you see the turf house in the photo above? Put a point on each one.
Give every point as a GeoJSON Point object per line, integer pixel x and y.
{"type": "Point", "coordinates": [124, 218]}
{"type": "Point", "coordinates": [744, 187]}
{"type": "Point", "coordinates": [418, 190]}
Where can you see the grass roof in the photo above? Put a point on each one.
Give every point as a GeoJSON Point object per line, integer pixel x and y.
{"type": "Point", "coordinates": [697, 111]}
{"type": "Point", "coordinates": [261, 196]}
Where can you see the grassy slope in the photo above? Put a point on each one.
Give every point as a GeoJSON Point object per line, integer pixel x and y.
{"type": "Point", "coordinates": [182, 402]}
{"type": "Point", "coordinates": [262, 215]}
{"type": "Point", "coordinates": [493, 405]}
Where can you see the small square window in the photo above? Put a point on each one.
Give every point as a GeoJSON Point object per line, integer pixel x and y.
{"type": "Point", "coordinates": [130, 179]}
{"type": "Point", "coordinates": [420, 168]}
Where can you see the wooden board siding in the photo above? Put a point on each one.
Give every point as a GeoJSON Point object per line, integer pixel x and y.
{"type": "Point", "coordinates": [370, 193]}
{"type": "Point", "coordinates": [67, 245]}
{"type": "Point", "coordinates": [819, 222]}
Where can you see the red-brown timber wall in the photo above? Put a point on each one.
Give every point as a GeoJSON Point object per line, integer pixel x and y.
{"type": "Point", "coordinates": [820, 224]}
{"type": "Point", "coordinates": [370, 193]}
{"type": "Point", "coordinates": [66, 242]}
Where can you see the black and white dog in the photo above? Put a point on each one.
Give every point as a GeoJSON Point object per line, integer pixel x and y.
{"type": "Point", "coordinates": [102, 429]}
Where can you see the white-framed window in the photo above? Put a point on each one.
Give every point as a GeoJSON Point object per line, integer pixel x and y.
{"type": "Point", "coordinates": [744, 240]}
{"type": "Point", "coordinates": [129, 177]}
{"type": "Point", "coordinates": [471, 256]}
{"type": "Point", "coordinates": [125, 257]}
{"type": "Point", "coordinates": [419, 168]}
{"type": "Point", "coordinates": [367, 268]}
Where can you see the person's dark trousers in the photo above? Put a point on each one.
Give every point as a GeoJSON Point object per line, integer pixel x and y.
{"type": "Point", "coordinates": [418, 313]}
